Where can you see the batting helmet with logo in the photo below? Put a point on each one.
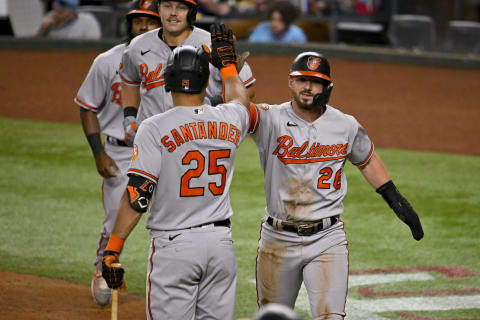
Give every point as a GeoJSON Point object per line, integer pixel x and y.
{"type": "Point", "coordinates": [275, 311]}
{"type": "Point", "coordinates": [187, 70]}
{"type": "Point", "coordinates": [313, 64]}
{"type": "Point", "coordinates": [192, 11]}
{"type": "Point", "coordinates": [147, 8]}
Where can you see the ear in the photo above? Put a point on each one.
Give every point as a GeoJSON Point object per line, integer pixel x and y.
{"type": "Point", "coordinates": [290, 82]}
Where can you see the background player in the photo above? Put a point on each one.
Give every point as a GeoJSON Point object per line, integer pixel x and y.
{"type": "Point", "coordinates": [100, 101]}
{"type": "Point", "coordinates": [143, 71]}
{"type": "Point", "coordinates": [183, 163]}
{"type": "Point", "coordinates": [303, 146]}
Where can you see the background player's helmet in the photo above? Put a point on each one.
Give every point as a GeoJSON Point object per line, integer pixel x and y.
{"type": "Point", "coordinates": [313, 64]}
{"type": "Point", "coordinates": [141, 7]}
{"type": "Point", "coordinates": [192, 11]}
{"type": "Point", "coordinates": [187, 70]}
{"type": "Point", "coordinates": [274, 311]}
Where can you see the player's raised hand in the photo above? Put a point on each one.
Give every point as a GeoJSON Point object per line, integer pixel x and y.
{"type": "Point", "coordinates": [223, 46]}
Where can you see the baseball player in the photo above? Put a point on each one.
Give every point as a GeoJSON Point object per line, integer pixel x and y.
{"type": "Point", "coordinates": [181, 172]}
{"type": "Point", "coordinates": [100, 101]}
{"type": "Point", "coordinates": [143, 71]}
{"type": "Point", "coordinates": [303, 145]}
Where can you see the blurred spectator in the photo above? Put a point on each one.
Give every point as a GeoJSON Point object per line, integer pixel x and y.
{"type": "Point", "coordinates": [345, 7]}
{"type": "Point", "coordinates": [279, 27]}
{"type": "Point", "coordinates": [217, 8]}
{"type": "Point", "coordinates": [64, 22]}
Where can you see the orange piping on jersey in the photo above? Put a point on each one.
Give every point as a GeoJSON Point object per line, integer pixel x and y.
{"type": "Point", "coordinates": [249, 82]}
{"type": "Point", "coordinates": [150, 281]}
{"type": "Point", "coordinates": [83, 104]}
{"type": "Point", "coordinates": [254, 118]}
{"type": "Point", "coordinates": [310, 74]}
{"type": "Point", "coordinates": [154, 85]}
{"type": "Point", "coordinates": [299, 161]}
{"type": "Point", "coordinates": [143, 173]}
{"type": "Point", "coordinates": [256, 262]}
{"type": "Point", "coordinates": [364, 162]}
{"type": "Point", "coordinates": [128, 82]}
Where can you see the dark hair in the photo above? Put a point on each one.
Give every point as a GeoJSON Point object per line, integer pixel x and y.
{"type": "Point", "coordinates": [288, 11]}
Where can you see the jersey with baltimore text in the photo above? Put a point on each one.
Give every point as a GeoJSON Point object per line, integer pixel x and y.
{"type": "Point", "coordinates": [101, 92]}
{"type": "Point", "coordinates": [189, 153]}
{"type": "Point", "coordinates": [144, 62]}
{"type": "Point", "coordinates": [303, 163]}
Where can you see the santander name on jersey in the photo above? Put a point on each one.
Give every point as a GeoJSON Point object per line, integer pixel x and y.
{"type": "Point", "coordinates": [201, 130]}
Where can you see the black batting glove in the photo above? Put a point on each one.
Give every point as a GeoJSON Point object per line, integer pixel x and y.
{"type": "Point", "coordinates": [223, 51]}
{"type": "Point", "coordinates": [113, 275]}
{"type": "Point", "coordinates": [402, 208]}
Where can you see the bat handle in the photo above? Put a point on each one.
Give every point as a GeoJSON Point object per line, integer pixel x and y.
{"type": "Point", "coordinates": [114, 304]}
{"type": "Point", "coordinates": [115, 296]}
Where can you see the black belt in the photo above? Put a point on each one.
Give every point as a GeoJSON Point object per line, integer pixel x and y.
{"type": "Point", "coordinates": [221, 223]}
{"type": "Point", "coordinates": [302, 229]}
{"type": "Point", "coordinates": [116, 142]}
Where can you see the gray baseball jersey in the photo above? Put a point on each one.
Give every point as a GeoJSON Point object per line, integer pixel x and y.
{"type": "Point", "coordinates": [304, 182]}
{"type": "Point", "coordinates": [144, 62]}
{"type": "Point", "coordinates": [286, 143]}
{"type": "Point", "coordinates": [101, 93]}
{"type": "Point", "coordinates": [188, 152]}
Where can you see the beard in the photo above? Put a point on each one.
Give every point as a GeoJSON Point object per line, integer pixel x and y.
{"type": "Point", "coordinates": [301, 102]}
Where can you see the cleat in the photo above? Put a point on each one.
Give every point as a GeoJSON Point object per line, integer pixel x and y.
{"type": "Point", "coordinates": [101, 293]}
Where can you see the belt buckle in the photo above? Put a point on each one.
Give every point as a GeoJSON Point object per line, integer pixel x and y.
{"type": "Point", "coordinates": [305, 229]}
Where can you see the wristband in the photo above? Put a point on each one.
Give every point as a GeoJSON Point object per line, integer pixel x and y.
{"type": "Point", "coordinates": [95, 143]}
{"type": "Point", "coordinates": [130, 111]}
{"type": "Point", "coordinates": [115, 243]}
{"type": "Point", "coordinates": [228, 71]}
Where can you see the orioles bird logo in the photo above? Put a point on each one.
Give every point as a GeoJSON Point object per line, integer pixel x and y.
{"type": "Point", "coordinates": [145, 4]}
{"type": "Point", "coordinates": [186, 84]}
{"type": "Point", "coordinates": [134, 155]}
{"type": "Point", "coordinates": [313, 62]}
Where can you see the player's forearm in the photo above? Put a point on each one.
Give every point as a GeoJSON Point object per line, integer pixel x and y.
{"type": "Point", "coordinates": [130, 96]}
{"type": "Point", "coordinates": [127, 218]}
{"type": "Point", "coordinates": [234, 87]}
{"type": "Point", "coordinates": [89, 121]}
{"type": "Point", "coordinates": [375, 172]}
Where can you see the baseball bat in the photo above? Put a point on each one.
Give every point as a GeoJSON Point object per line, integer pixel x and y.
{"type": "Point", "coordinates": [115, 296]}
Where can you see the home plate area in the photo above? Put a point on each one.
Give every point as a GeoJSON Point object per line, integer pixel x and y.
{"type": "Point", "coordinates": [403, 303]}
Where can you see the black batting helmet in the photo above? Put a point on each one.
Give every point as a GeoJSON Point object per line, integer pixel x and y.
{"type": "Point", "coordinates": [192, 11]}
{"type": "Point", "coordinates": [313, 64]}
{"type": "Point", "coordinates": [275, 311]}
{"type": "Point", "coordinates": [141, 7]}
{"type": "Point", "coordinates": [187, 70]}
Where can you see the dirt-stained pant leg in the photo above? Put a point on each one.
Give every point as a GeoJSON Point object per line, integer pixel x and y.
{"type": "Point", "coordinates": [325, 276]}
{"type": "Point", "coordinates": [278, 268]}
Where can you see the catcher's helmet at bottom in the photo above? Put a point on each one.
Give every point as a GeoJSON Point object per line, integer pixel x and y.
{"type": "Point", "coordinates": [314, 64]}
{"type": "Point", "coordinates": [275, 311]}
{"type": "Point", "coordinates": [187, 70]}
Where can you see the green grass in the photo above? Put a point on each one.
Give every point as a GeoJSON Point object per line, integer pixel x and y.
{"type": "Point", "coordinates": [51, 214]}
